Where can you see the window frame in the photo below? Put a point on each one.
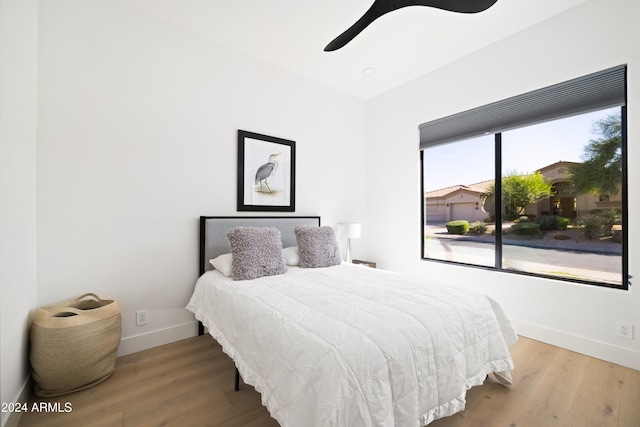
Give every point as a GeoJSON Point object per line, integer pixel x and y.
{"type": "Point", "coordinates": [498, 245]}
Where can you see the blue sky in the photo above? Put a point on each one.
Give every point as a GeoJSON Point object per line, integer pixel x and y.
{"type": "Point", "coordinates": [523, 151]}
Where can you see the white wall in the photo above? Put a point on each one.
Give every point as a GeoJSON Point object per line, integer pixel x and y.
{"type": "Point", "coordinates": [596, 35]}
{"type": "Point", "coordinates": [18, 66]}
{"type": "Point", "coordinates": [137, 138]}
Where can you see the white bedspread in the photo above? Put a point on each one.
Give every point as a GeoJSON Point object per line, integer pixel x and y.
{"type": "Point", "coordinates": [354, 346]}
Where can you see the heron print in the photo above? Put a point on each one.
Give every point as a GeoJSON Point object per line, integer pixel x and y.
{"type": "Point", "coordinates": [264, 173]}
{"type": "Point", "coordinates": [267, 167]}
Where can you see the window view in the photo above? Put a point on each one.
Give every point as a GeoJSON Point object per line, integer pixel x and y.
{"type": "Point", "coordinates": [560, 208]}
{"type": "Point", "coordinates": [455, 206]}
{"type": "Point", "coordinates": [561, 190]}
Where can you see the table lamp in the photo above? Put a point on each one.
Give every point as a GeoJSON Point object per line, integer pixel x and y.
{"type": "Point", "coordinates": [350, 230]}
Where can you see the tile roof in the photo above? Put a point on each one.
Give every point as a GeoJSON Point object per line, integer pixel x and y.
{"type": "Point", "coordinates": [478, 187]}
{"type": "Point", "coordinates": [483, 186]}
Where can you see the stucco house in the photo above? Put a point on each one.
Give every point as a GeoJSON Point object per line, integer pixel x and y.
{"type": "Point", "coordinates": [457, 202]}
{"type": "Point", "coordinates": [468, 201]}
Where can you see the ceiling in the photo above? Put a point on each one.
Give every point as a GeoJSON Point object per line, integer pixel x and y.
{"type": "Point", "coordinates": [400, 46]}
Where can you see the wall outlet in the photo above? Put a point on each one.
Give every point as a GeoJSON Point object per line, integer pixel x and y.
{"type": "Point", "coordinates": [141, 317]}
{"type": "Point", "coordinates": [625, 330]}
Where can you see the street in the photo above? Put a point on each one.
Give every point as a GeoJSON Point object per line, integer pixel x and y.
{"type": "Point", "coordinates": [557, 262]}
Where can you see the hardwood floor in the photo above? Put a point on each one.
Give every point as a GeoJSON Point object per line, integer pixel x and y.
{"type": "Point", "coordinates": [190, 383]}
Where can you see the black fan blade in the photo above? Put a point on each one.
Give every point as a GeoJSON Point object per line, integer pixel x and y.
{"type": "Point", "coordinates": [381, 7]}
{"type": "Point", "coordinates": [375, 11]}
{"type": "Point", "coordinates": [459, 6]}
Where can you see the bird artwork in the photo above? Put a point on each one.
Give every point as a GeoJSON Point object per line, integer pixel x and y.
{"type": "Point", "coordinates": [381, 7]}
{"type": "Point", "coordinates": [264, 172]}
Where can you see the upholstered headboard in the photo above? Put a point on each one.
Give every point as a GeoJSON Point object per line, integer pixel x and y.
{"type": "Point", "coordinates": [214, 229]}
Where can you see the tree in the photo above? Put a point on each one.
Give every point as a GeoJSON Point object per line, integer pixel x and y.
{"type": "Point", "coordinates": [601, 170]}
{"type": "Point", "coordinates": [518, 191]}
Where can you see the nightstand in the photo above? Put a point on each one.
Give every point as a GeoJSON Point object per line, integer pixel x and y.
{"type": "Point", "coordinates": [366, 263]}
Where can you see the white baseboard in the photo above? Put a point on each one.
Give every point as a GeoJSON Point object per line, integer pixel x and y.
{"type": "Point", "coordinates": [156, 338]}
{"type": "Point", "coordinates": [14, 417]}
{"type": "Point", "coordinates": [598, 349]}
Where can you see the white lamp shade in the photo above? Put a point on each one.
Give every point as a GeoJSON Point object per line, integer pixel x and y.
{"type": "Point", "coordinates": [349, 230]}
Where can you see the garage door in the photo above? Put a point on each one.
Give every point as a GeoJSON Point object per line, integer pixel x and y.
{"type": "Point", "coordinates": [462, 211]}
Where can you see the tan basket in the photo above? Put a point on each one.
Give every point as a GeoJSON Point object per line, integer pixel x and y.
{"type": "Point", "coordinates": [74, 344]}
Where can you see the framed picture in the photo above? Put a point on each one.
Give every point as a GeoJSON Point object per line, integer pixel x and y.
{"type": "Point", "coordinates": [266, 173]}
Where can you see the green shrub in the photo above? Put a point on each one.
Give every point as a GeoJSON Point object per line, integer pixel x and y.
{"type": "Point", "coordinates": [593, 227]}
{"type": "Point", "coordinates": [459, 226]}
{"type": "Point", "coordinates": [562, 223]}
{"type": "Point", "coordinates": [608, 218]}
{"type": "Point", "coordinates": [552, 222]}
{"type": "Point", "coordinates": [526, 228]}
{"type": "Point", "coordinates": [617, 236]}
{"type": "Point", "coordinates": [478, 227]}
{"type": "Point", "coordinates": [618, 216]}
{"type": "Point", "coordinates": [547, 222]}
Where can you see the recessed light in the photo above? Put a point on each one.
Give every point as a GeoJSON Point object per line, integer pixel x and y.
{"type": "Point", "coordinates": [369, 71]}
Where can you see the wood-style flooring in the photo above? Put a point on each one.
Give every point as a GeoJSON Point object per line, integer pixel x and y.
{"type": "Point", "coordinates": [190, 383]}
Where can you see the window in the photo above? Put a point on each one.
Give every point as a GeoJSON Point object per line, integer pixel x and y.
{"type": "Point", "coordinates": [541, 192]}
{"type": "Point", "coordinates": [450, 196]}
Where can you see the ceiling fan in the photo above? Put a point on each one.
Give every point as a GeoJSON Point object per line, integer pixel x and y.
{"type": "Point", "coordinates": [381, 7]}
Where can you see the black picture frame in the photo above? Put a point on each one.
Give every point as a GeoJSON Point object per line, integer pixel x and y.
{"type": "Point", "coordinates": [266, 173]}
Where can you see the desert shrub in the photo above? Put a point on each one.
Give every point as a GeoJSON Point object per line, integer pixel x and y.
{"type": "Point", "coordinates": [608, 218]}
{"type": "Point", "coordinates": [459, 226]}
{"type": "Point", "coordinates": [477, 227]}
{"type": "Point", "coordinates": [552, 222]}
{"type": "Point", "coordinates": [525, 228]}
{"type": "Point", "coordinates": [562, 223]}
{"type": "Point", "coordinates": [618, 215]}
{"type": "Point", "coordinates": [593, 227]}
{"type": "Point", "coordinates": [547, 222]}
{"type": "Point", "coordinates": [617, 236]}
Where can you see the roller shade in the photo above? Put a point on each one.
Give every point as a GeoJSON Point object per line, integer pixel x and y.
{"type": "Point", "coordinates": [597, 91]}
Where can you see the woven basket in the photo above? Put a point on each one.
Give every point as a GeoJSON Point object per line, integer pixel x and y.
{"type": "Point", "coordinates": [74, 344]}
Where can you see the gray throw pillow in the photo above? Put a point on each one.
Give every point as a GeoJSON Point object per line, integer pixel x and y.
{"type": "Point", "coordinates": [256, 252]}
{"type": "Point", "coordinates": [317, 246]}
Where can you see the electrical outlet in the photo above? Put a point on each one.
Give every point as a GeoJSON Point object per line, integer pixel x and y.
{"type": "Point", "coordinates": [625, 330]}
{"type": "Point", "coordinates": [141, 317]}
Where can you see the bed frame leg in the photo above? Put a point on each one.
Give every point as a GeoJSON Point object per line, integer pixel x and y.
{"type": "Point", "coordinates": [236, 384]}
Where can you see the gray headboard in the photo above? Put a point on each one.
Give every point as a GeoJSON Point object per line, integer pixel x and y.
{"type": "Point", "coordinates": [214, 229]}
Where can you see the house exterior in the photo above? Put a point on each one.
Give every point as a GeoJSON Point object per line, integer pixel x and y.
{"type": "Point", "coordinates": [458, 202]}
{"type": "Point", "coordinates": [565, 202]}
{"type": "Point", "coordinates": [468, 202]}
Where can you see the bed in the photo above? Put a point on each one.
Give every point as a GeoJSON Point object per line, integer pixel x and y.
{"type": "Point", "coordinates": [346, 345]}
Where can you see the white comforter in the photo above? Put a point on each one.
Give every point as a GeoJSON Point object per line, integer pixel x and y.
{"type": "Point", "coordinates": [354, 346]}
